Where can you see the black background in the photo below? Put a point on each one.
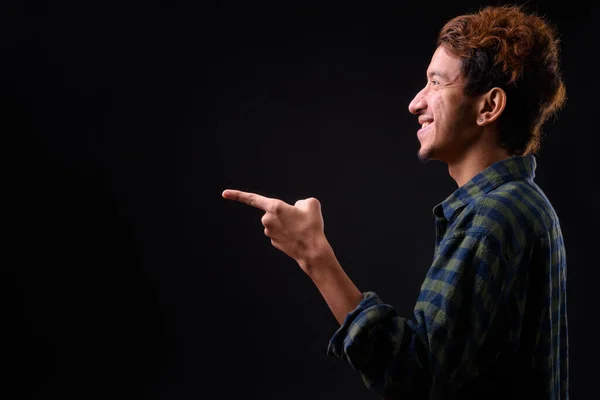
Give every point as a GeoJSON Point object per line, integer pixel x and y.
{"type": "Point", "coordinates": [125, 272]}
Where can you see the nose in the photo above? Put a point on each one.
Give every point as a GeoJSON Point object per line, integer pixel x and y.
{"type": "Point", "coordinates": [418, 104]}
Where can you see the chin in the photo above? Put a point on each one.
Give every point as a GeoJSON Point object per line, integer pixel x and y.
{"type": "Point", "coordinates": [426, 151]}
{"type": "Point", "coordinates": [425, 155]}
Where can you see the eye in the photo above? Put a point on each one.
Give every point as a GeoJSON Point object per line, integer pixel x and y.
{"type": "Point", "coordinates": [435, 83]}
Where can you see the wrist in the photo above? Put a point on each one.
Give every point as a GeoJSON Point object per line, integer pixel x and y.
{"type": "Point", "coordinates": [318, 260]}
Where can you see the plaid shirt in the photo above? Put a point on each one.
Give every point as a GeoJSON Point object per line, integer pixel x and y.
{"type": "Point", "coordinates": [491, 317]}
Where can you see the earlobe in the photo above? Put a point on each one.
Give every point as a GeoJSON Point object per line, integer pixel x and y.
{"type": "Point", "coordinates": [494, 102]}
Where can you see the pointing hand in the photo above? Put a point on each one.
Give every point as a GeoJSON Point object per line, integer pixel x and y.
{"type": "Point", "coordinates": [295, 230]}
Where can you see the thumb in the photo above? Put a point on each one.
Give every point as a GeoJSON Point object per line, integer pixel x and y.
{"type": "Point", "coordinates": [309, 203]}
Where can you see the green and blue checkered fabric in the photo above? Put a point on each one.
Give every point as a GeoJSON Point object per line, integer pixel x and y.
{"type": "Point", "coordinates": [490, 320]}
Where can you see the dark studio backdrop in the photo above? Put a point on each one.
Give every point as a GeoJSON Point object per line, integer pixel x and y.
{"type": "Point", "coordinates": [125, 272]}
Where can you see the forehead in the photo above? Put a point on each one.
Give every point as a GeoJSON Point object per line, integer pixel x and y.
{"type": "Point", "coordinates": [444, 63]}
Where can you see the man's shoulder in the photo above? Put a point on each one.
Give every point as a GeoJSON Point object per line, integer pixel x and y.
{"type": "Point", "coordinates": [514, 208]}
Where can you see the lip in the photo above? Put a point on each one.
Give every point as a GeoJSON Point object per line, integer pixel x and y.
{"type": "Point", "coordinates": [423, 131]}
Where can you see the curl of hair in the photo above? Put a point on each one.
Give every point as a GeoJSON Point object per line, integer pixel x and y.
{"type": "Point", "coordinates": [502, 46]}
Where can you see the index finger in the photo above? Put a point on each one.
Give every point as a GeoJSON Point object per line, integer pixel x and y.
{"type": "Point", "coordinates": [252, 199]}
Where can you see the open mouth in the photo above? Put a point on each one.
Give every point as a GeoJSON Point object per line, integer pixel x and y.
{"type": "Point", "coordinates": [425, 128]}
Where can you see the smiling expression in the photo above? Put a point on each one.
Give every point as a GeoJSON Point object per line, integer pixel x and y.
{"type": "Point", "coordinates": [447, 116]}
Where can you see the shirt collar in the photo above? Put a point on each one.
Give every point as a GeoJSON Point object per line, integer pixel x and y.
{"type": "Point", "coordinates": [506, 170]}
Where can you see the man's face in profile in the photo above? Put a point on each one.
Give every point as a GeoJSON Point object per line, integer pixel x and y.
{"type": "Point", "coordinates": [446, 114]}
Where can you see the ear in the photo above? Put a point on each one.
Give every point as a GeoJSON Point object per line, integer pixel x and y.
{"type": "Point", "coordinates": [491, 106]}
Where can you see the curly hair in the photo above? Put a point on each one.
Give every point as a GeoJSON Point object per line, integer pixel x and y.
{"type": "Point", "coordinates": [502, 46]}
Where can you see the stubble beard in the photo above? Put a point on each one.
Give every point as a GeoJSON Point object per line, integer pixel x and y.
{"type": "Point", "coordinates": [424, 156]}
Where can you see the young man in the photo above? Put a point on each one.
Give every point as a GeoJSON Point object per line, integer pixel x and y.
{"type": "Point", "coordinates": [491, 318]}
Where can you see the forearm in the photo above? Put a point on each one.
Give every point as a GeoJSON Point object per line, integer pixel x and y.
{"type": "Point", "coordinates": [339, 292]}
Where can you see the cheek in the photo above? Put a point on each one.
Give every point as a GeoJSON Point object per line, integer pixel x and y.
{"type": "Point", "coordinates": [438, 105]}
{"type": "Point", "coordinates": [439, 113]}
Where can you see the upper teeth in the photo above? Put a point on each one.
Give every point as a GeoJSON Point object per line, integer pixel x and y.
{"type": "Point", "coordinates": [425, 125]}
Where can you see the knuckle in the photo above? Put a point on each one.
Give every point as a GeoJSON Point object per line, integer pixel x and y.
{"type": "Point", "coordinates": [277, 207]}
{"type": "Point", "coordinates": [266, 219]}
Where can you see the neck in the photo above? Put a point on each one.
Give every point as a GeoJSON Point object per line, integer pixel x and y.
{"type": "Point", "coordinates": [474, 161]}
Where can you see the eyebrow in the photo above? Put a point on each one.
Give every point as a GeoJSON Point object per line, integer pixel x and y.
{"type": "Point", "coordinates": [437, 73]}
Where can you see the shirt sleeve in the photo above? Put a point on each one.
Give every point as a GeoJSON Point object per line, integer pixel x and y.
{"type": "Point", "coordinates": [453, 335]}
